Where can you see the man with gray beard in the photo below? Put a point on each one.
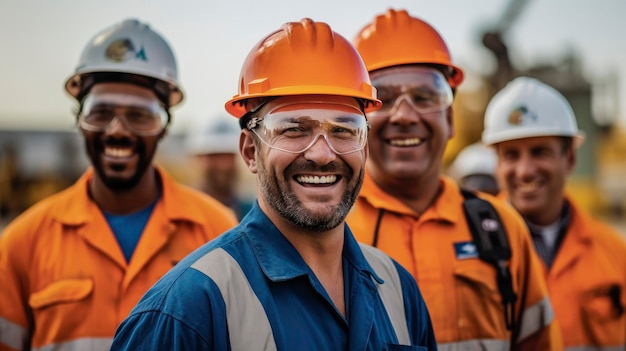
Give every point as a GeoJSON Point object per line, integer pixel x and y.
{"type": "Point", "coordinates": [291, 276]}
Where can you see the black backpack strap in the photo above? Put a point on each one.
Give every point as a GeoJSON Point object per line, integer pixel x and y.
{"type": "Point", "coordinates": [377, 227]}
{"type": "Point", "coordinates": [492, 242]}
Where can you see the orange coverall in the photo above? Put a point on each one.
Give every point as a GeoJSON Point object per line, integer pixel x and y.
{"type": "Point", "coordinates": [64, 282]}
{"type": "Point", "coordinates": [587, 283]}
{"type": "Point", "coordinates": [460, 291]}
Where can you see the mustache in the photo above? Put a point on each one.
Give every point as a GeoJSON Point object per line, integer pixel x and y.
{"type": "Point", "coordinates": [114, 141]}
{"type": "Point", "coordinates": [312, 167]}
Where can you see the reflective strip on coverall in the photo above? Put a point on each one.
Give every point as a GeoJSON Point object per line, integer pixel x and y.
{"type": "Point", "coordinates": [247, 321]}
{"type": "Point", "coordinates": [461, 292]}
{"type": "Point", "coordinates": [65, 284]}
{"type": "Point", "coordinates": [250, 289]}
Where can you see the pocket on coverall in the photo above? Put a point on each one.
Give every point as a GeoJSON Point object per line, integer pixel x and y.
{"type": "Point", "coordinates": [604, 315]}
{"type": "Point", "coordinates": [61, 304]}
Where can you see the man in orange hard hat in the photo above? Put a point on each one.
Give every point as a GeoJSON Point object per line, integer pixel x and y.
{"type": "Point", "coordinates": [470, 253]}
{"type": "Point", "coordinates": [534, 132]}
{"type": "Point", "coordinates": [291, 276]}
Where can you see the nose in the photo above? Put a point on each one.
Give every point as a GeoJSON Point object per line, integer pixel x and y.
{"type": "Point", "coordinates": [117, 127]}
{"type": "Point", "coordinates": [320, 151]}
{"type": "Point", "coordinates": [403, 112]}
{"type": "Point", "coordinates": [525, 168]}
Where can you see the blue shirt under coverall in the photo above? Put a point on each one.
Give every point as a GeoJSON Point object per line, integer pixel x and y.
{"type": "Point", "coordinates": [249, 289]}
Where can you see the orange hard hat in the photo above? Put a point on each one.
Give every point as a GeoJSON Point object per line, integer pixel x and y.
{"type": "Point", "coordinates": [396, 38]}
{"type": "Point", "coordinates": [302, 58]}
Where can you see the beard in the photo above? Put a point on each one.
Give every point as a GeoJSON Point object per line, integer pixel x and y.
{"type": "Point", "coordinates": [282, 199]}
{"type": "Point", "coordinates": [113, 183]}
{"type": "Point", "coordinates": [120, 185]}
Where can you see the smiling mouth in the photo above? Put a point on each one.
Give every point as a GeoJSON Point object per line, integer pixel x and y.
{"type": "Point", "coordinates": [404, 142]}
{"type": "Point", "coordinates": [117, 152]}
{"type": "Point", "coordinates": [317, 180]}
{"type": "Point", "coordinates": [528, 187]}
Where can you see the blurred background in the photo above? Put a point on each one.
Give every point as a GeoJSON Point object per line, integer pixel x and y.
{"type": "Point", "coordinates": [573, 45]}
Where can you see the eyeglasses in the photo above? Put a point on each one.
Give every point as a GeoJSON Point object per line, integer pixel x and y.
{"type": "Point", "coordinates": [295, 128]}
{"type": "Point", "coordinates": [425, 89]}
{"type": "Point", "coordinates": [142, 116]}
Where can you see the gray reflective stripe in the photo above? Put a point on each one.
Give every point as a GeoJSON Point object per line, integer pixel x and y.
{"type": "Point", "coordinates": [596, 348]}
{"type": "Point", "coordinates": [85, 344]}
{"type": "Point", "coordinates": [11, 334]}
{"type": "Point", "coordinates": [535, 318]}
{"type": "Point", "coordinates": [390, 291]}
{"type": "Point", "coordinates": [476, 345]}
{"type": "Point", "coordinates": [248, 326]}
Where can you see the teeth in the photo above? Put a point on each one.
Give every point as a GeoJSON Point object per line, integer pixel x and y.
{"type": "Point", "coordinates": [317, 179]}
{"type": "Point", "coordinates": [113, 152]}
{"type": "Point", "coordinates": [528, 187]}
{"type": "Point", "coordinates": [405, 142]}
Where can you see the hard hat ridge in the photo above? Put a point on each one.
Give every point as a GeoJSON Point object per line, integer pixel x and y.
{"type": "Point", "coordinates": [309, 35]}
{"type": "Point", "coordinates": [302, 58]}
{"type": "Point", "coordinates": [126, 49]}
{"type": "Point", "coordinates": [396, 38]}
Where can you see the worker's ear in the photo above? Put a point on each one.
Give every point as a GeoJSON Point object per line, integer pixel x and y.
{"type": "Point", "coordinates": [450, 122]}
{"type": "Point", "coordinates": [247, 149]}
{"type": "Point", "coordinates": [570, 156]}
{"type": "Point", "coordinates": [163, 133]}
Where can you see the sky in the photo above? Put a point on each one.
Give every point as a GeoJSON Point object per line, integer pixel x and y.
{"type": "Point", "coordinates": [41, 41]}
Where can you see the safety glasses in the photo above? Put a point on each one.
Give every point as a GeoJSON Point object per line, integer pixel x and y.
{"type": "Point", "coordinates": [425, 89]}
{"type": "Point", "coordinates": [140, 115]}
{"type": "Point", "coordinates": [295, 127]}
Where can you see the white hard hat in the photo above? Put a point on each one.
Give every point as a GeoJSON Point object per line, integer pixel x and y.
{"type": "Point", "coordinates": [217, 135]}
{"type": "Point", "coordinates": [129, 47]}
{"type": "Point", "coordinates": [474, 159]}
{"type": "Point", "coordinates": [526, 108]}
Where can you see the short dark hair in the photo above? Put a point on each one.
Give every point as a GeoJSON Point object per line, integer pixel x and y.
{"type": "Point", "coordinates": [567, 143]}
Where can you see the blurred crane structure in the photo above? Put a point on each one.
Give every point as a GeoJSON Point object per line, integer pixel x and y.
{"type": "Point", "coordinates": [596, 181]}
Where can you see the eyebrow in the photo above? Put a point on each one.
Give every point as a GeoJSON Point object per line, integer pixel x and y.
{"type": "Point", "coordinates": [409, 86]}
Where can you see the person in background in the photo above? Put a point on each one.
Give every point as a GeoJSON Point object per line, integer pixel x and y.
{"type": "Point", "coordinates": [534, 132]}
{"type": "Point", "coordinates": [214, 145]}
{"type": "Point", "coordinates": [73, 265]}
{"type": "Point", "coordinates": [291, 276]}
{"type": "Point", "coordinates": [410, 211]}
{"type": "Point", "coordinates": [474, 169]}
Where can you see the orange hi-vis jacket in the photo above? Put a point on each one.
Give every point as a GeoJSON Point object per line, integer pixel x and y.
{"type": "Point", "coordinates": [460, 290]}
{"type": "Point", "coordinates": [64, 281]}
{"type": "Point", "coordinates": [587, 283]}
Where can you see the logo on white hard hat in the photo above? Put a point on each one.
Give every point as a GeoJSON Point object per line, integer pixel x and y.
{"type": "Point", "coordinates": [122, 50]}
{"type": "Point", "coordinates": [521, 115]}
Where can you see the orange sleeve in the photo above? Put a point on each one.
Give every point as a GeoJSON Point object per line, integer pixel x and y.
{"type": "Point", "coordinates": [536, 327]}
{"type": "Point", "coordinates": [14, 309]}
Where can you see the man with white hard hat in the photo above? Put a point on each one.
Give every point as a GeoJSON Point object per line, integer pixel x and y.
{"type": "Point", "coordinates": [214, 145]}
{"type": "Point", "coordinates": [474, 169]}
{"type": "Point", "coordinates": [74, 264]}
{"type": "Point", "coordinates": [534, 132]}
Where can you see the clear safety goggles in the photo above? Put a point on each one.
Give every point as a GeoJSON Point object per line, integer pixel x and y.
{"type": "Point", "coordinates": [294, 127]}
{"type": "Point", "coordinates": [425, 89]}
{"type": "Point", "coordinates": [140, 115]}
